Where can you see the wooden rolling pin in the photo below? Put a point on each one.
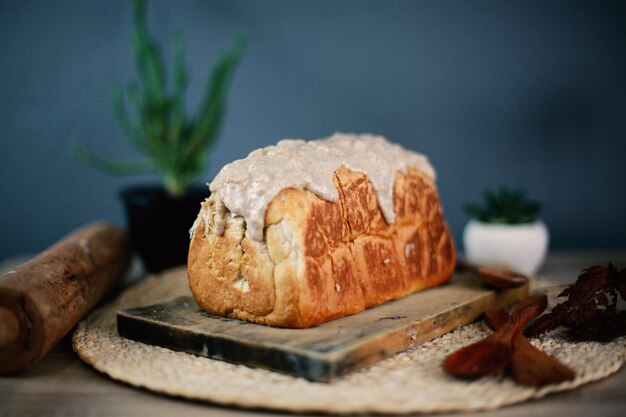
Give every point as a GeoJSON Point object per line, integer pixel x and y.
{"type": "Point", "coordinates": [44, 298]}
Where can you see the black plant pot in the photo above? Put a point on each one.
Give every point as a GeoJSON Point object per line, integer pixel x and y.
{"type": "Point", "coordinates": [159, 224]}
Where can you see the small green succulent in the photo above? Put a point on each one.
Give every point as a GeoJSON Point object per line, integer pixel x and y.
{"type": "Point", "coordinates": [505, 206]}
{"type": "Point", "coordinates": [176, 147]}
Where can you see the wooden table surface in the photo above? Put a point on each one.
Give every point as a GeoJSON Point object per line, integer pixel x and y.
{"type": "Point", "coordinates": [62, 385]}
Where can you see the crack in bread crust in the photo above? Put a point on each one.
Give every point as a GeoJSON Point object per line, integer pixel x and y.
{"type": "Point", "coordinates": [321, 260]}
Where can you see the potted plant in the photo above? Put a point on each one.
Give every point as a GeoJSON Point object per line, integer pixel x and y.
{"type": "Point", "coordinates": [176, 147]}
{"type": "Point", "coordinates": [506, 232]}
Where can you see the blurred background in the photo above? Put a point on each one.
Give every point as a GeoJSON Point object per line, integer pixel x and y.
{"type": "Point", "coordinates": [528, 94]}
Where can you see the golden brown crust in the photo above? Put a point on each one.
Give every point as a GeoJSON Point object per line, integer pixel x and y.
{"type": "Point", "coordinates": [321, 260]}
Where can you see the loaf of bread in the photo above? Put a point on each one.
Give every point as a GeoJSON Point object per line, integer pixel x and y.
{"type": "Point", "coordinates": [315, 259]}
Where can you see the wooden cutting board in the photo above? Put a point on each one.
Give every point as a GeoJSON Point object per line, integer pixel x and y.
{"type": "Point", "coordinates": [324, 352]}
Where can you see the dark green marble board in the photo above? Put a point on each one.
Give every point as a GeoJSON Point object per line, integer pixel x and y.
{"type": "Point", "coordinates": [320, 353]}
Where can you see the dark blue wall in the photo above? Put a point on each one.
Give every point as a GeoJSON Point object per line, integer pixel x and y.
{"type": "Point", "coordinates": [528, 94]}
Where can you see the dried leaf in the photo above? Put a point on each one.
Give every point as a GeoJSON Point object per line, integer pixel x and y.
{"type": "Point", "coordinates": [590, 312]}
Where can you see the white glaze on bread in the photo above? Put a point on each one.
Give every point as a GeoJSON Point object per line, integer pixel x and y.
{"type": "Point", "coordinates": [246, 187]}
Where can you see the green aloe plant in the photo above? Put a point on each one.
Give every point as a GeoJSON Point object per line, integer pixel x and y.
{"type": "Point", "coordinates": [176, 147]}
{"type": "Point", "coordinates": [505, 206]}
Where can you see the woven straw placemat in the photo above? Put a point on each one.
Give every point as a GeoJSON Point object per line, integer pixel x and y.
{"type": "Point", "coordinates": [409, 382]}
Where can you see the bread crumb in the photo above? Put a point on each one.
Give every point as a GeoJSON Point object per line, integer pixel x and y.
{"type": "Point", "coordinates": [337, 287]}
{"type": "Point", "coordinates": [412, 334]}
{"type": "Point", "coordinates": [242, 284]}
{"type": "Point", "coordinates": [408, 249]}
{"type": "Point", "coordinates": [387, 261]}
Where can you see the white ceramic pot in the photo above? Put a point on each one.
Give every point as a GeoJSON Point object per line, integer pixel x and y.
{"type": "Point", "coordinates": [519, 247]}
